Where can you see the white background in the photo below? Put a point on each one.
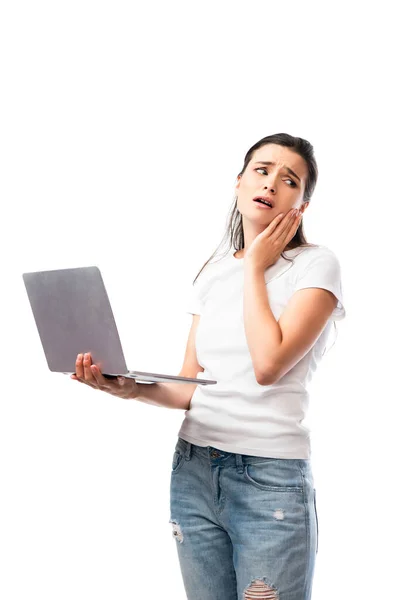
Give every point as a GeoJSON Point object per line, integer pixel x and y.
{"type": "Point", "coordinates": [123, 127]}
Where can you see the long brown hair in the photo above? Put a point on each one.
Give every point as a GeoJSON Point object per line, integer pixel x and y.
{"type": "Point", "coordinates": [234, 230]}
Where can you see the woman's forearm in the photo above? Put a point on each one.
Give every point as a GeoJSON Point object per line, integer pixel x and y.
{"type": "Point", "coordinates": [169, 395]}
{"type": "Point", "coordinates": [263, 333]}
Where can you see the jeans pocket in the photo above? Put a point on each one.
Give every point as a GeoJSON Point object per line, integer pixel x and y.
{"type": "Point", "coordinates": [316, 515]}
{"type": "Point", "coordinates": [177, 461]}
{"type": "Point", "coordinates": [266, 475]}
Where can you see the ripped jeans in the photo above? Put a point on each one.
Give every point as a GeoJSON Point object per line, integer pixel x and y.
{"type": "Point", "coordinates": [245, 526]}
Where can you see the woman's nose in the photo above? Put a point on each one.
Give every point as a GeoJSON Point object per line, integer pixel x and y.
{"type": "Point", "coordinates": [270, 182]}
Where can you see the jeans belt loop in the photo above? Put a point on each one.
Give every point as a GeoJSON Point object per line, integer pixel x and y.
{"type": "Point", "coordinates": [188, 451]}
{"type": "Point", "coordinates": [239, 463]}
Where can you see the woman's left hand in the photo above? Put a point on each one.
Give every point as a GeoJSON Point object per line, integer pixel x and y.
{"type": "Point", "coordinates": [268, 245]}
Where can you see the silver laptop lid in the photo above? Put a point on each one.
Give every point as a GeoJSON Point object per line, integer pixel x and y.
{"type": "Point", "coordinates": [73, 314]}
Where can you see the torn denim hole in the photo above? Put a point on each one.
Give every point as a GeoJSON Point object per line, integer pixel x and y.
{"type": "Point", "coordinates": [176, 531]}
{"type": "Point", "coordinates": [260, 591]}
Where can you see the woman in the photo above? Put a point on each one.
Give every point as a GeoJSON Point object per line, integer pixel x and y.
{"type": "Point", "coordinates": [243, 505]}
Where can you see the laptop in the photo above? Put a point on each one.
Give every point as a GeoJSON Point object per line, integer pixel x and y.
{"type": "Point", "coordinates": [73, 315]}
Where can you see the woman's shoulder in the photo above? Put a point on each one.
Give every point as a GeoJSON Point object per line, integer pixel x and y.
{"type": "Point", "coordinates": [311, 251]}
{"type": "Point", "coordinates": [210, 271]}
{"type": "Point", "coordinates": [317, 257]}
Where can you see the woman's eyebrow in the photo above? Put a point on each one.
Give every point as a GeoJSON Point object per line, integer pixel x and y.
{"type": "Point", "coordinates": [263, 162]}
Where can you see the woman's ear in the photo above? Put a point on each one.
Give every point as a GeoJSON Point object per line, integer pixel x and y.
{"type": "Point", "coordinates": [237, 182]}
{"type": "Point", "coordinates": [303, 207]}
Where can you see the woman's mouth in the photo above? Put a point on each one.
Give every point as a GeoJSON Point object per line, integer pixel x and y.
{"type": "Point", "coordinates": [261, 205]}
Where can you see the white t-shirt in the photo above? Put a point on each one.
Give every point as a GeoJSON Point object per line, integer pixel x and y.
{"type": "Point", "coordinates": [237, 414]}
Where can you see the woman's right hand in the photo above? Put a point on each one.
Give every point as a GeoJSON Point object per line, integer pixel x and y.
{"type": "Point", "coordinates": [123, 387]}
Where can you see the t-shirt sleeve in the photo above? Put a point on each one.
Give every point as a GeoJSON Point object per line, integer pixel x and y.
{"type": "Point", "coordinates": [197, 292]}
{"type": "Point", "coordinates": [321, 269]}
{"type": "Point", "coordinates": [194, 305]}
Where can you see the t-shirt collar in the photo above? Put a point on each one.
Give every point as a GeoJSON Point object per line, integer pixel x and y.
{"type": "Point", "coordinates": [278, 268]}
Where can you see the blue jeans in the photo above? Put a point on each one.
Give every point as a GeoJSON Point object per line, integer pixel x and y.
{"type": "Point", "coordinates": [245, 526]}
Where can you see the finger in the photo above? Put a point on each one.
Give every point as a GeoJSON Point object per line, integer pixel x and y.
{"type": "Point", "coordinates": [282, 227]}
{"type": "Point", "coordinates": [295, 223]}
{"type": "Point", "coordinates": [88, 375]}
{"type": "Point", "coordinates": [292, 230]}
{"type": "Point", "coordinates": [100, 380]}
{"type": "Point", "coordinates": [275, 223]}
{"type": "Point", "coordinates": [291, 222]}
{"type": "Point", "coordinates": [282, 220]}
{"type": "Point", "coordinates": [79, 366]}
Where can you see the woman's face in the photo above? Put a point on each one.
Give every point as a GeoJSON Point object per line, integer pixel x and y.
{"type": "Point", "coordinates": [275, 181]}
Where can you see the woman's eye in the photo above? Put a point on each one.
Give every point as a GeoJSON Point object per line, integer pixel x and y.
{"type": "Point", "coordinates": [265, 171]}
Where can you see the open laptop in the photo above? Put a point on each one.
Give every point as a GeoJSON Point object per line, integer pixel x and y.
{"type": "Point", "coordinates": [73, 315]}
